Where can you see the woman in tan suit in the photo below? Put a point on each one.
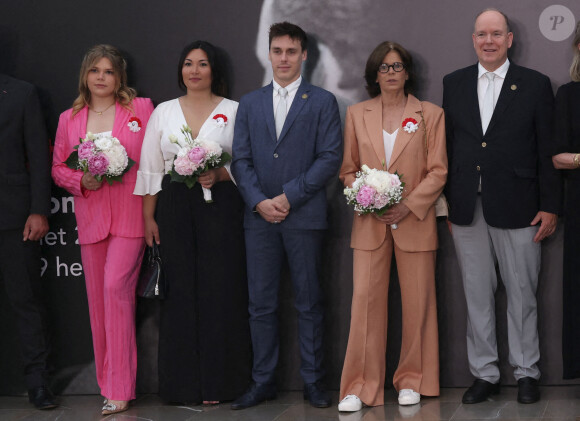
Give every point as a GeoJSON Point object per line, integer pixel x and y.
{"type": "Point", "coordinates": [377, 134]}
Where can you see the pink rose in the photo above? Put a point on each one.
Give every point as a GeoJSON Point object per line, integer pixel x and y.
{"type": "Point", "coordinates": [183, 166]}
{"type": "Point", "coordinates": [366, 196]}
{"type": "Point", "coordinates": [85, 150]}
{"type": "Point", "coordinates": [381, 201]}
{"type": "Point", "coordinates": [196, 155]}
{"type": "Point", "coordinates": [98, 164]}
{"type": "Point", "coordinates": [395, 180]}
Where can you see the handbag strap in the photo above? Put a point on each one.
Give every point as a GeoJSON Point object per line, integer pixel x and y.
{"type": "Point", "coordinates": [155, 251]}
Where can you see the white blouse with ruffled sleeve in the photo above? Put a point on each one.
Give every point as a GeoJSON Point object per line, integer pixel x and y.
{"type": "Point", "coordinates": [158, 152]}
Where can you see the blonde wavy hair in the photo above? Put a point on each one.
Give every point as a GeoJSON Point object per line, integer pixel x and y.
{"type": "Point", "coordinates": [575, 67]}
{"type": "Point", "coordinates": [123, 94]}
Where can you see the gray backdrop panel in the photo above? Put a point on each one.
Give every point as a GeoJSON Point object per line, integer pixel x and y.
{"type": "Point", "coordinates": [43, 43]}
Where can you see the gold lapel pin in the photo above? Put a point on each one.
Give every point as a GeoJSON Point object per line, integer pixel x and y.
{"type": "Point", "coordinates": [514, 87]}
{"type": "Point", "coordinates": [304, 96]}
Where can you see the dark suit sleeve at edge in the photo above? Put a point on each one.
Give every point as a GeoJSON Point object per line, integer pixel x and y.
{"type": "Point", "coordinates": [550, 178]}
{"type": "Point", "coordinates": [562, 133]}
{"type": "Point", "coordinates": [36, 144]}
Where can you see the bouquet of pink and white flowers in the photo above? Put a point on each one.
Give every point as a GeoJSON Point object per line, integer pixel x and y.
{"type": "Point", "coordinates": [374, 191]}
{"type": "Point", "coordinates": [196, 156]}
{"type": "Point", "coordinates": [102, 156]}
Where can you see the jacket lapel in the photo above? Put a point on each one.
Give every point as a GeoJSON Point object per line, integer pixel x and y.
{"type": "Point", "coordinates": [268, 108]}
{"type": "Point", "coordinates": [297, 103]}
{"type": "Point", "coordinates": [412, 110]}
{"type": "Point", "coordinates": [373, 118]}
{"type": "Point", "coordinates": [470, 89]}
{"type": "Point", "coordinates": [508, 92]}
{"type": "Point", "coordinates": [122, 116]}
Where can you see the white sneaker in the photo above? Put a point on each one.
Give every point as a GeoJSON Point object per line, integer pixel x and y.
{"type": "Point", "coordinates": [408, 397]}
{"type": "Point", "coordinates": [350, 403]}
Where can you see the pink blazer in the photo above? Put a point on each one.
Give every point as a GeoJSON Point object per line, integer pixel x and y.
{"type": "Point", "coordinates": [111, 209]}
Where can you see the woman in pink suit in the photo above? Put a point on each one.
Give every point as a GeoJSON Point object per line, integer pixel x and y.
{"type": "Point", "coordinates": [109, 217]}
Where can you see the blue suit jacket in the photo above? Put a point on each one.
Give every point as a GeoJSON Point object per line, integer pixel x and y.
{"type": "Point", "coordinates": [307, 155]}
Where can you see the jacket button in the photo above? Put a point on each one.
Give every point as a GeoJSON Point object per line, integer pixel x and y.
{"type": "Point", "coordinates": [483, 144]}
{"type": "Point", "coordinates": [478, 168]}
{"type": "Point", "coordinates": [275, 155]}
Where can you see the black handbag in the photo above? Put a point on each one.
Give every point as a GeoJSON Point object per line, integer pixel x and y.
{"type": "Point", "coordinates": [151, 283]}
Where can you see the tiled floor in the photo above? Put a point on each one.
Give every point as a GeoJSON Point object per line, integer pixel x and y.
{"type": "Point", "coordinates": [558, 403]}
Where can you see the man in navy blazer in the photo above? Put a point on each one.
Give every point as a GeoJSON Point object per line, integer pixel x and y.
{"type": "Point", "coordinates": [287, 146]}
{"type": "Point", "coordinates": [24, 206]}
{"type": "Point", "coordinates": [504, 196]}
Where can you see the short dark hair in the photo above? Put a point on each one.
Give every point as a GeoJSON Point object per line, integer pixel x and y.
{"type": "Point", "coordinates": [376, 59]}
{"type": "Point", "coordinates": [493, 9]}
{"type": "Point", "coordinates": [286, 28]}
{"type": "Point", "coordinates": [219, 83]}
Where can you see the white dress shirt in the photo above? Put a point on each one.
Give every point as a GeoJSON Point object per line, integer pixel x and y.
{"type": "Point", "coordinates": [292, 89]}
{"type": "Point", "coordinates": [483, 81]}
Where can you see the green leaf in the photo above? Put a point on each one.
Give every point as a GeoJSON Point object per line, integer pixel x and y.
{"type": "Point", "coordinates": [73, 161]}
{"type": "Point", "coordinates": [110, 179]}
{"type": "Point", "coordinates": [189, 180]}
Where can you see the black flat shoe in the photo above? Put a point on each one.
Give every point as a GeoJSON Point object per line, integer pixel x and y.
{"type": "Point", "coordinates": [256, 394]}
{"type": "Point", "coordinates": [42, 398]}
{"type": "Point", "coordinates": [479, 391]}
{"type": "Point", "coordinates": [316, 395]}
{"type": "Point", "coordinates": [528, 390]}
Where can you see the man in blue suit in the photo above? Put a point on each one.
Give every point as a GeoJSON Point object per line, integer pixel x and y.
{"type": "Point", "coordinates": [287, 146]}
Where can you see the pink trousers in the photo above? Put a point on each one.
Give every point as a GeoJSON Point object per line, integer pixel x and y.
{"type": "Point", "coordinates": [111, 270]}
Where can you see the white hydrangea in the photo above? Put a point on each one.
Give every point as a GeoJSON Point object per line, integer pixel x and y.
{"type": "Point", "coordinates": [103, 143]}
{"type": "Point", "coordinates": [118, 159]}
{"type": "Point", "coordinates": [379, 180]}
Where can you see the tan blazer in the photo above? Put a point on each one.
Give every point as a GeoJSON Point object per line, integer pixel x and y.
{"type": "Point", "coordinates": [419, 157]}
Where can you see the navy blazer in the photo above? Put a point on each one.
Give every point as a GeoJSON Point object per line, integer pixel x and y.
{"type": "Point", "coordinates": [300, 164]}
{"type": "Point", "coordinates": [24, 157]}
{"type": "Point", "coordinates": [513, 158]}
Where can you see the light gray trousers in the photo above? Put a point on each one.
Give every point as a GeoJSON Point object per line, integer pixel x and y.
{"type": "Point", "coordinates": [478, 247]}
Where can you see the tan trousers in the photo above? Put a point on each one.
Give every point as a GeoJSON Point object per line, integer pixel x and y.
{"type": "Point", "coordinates": [363, 373]}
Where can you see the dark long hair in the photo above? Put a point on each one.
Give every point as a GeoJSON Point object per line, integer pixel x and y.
{"type": "Point", "coordinates": [219, 83]}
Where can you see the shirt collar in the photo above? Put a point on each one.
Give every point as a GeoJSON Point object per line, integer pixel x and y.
{"type": "Point", "coordinates": [501, 71]}
{"type": "Point", "coordinates": [290, 88]}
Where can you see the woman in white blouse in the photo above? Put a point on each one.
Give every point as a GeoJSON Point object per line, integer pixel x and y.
{"type": "Point", "coordinates": [204, 345]}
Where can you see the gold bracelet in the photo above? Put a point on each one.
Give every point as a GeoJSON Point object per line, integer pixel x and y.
{"type": "Point", "coordinates": [577, 160]}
